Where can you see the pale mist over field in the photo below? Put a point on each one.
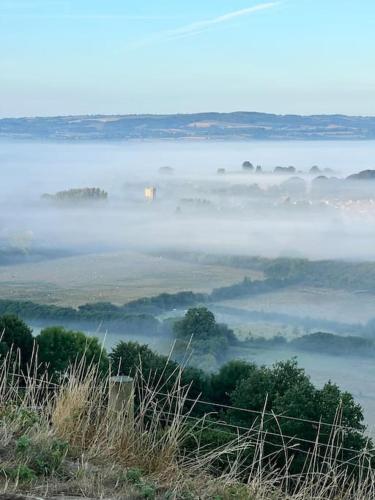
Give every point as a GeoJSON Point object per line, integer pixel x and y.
{"type": "Point", "coordinates": [195, 208]}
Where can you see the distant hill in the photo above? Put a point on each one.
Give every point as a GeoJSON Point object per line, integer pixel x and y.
{"type": "Point", "coordinates": [204, 126]}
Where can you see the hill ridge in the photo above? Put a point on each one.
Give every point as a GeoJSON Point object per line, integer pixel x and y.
{"type": "Point", "coordinates": [236, 125]}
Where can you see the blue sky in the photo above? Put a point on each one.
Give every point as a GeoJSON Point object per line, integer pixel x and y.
{"type": "Point", "coordinates": [165, 56]}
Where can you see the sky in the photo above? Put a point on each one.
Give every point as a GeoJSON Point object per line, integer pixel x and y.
{"type": "Point", "coordinates": [62, 57]}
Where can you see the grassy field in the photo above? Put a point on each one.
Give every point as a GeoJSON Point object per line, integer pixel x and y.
{"type": "Point", "coordinates": [336, 305]}
{"type": "Point", "coordinates": [117, 278]}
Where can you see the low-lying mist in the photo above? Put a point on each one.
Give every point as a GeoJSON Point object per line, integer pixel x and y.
{"type": "Point", "coordinates": [197, 205]}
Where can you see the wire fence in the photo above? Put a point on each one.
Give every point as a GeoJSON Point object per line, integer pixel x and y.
{"type": "Point", "coordinates": [284, 447]}
{"type": "Point", "coordinates": [262, 413]}
{"type": "Point", "coordinates": [318, 423]}
{"type": "Point", "coordinates": [274, 434]}
{"type": "Point", "coordinates": [260, 429]}
{"type": "Point", "coordinates": [31, 380]}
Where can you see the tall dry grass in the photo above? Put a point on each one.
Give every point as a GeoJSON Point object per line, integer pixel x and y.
{"type": "Point", "coordinates": [103, 444]}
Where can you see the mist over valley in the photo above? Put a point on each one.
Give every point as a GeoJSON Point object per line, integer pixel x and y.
{"type": "Point", "coordinates": [92, 223]}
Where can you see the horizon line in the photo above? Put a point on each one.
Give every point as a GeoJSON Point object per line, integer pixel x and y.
{"type": "Point", "coordinates": [307, 115]}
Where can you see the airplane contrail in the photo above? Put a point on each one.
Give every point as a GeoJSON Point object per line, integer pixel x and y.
{"type": "Point", "coordinates": [200, 26]}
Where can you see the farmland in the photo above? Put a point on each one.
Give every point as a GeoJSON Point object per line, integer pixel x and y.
{"type": "Point", "coordinates": [117, 278]}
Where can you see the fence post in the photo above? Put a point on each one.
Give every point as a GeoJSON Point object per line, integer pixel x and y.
{"type": "Point", "coordinates": [121, 395]}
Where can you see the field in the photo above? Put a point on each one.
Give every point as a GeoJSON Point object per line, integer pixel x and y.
{"type": "Point", "coordinates": [323, 303]}
{"type": "Point", "coordinates": [116, 278]}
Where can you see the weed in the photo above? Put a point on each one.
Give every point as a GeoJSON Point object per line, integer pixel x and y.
{"type": "Point", "coordinates": [21, 473]}
{"type": "Point", "coordinates": [134, 475]}
{"type": "Point", "coordinates": [44, 454]}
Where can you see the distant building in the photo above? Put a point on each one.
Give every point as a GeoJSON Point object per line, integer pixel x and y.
{"type": "Point", "coordinates": [221, 171]}
{"type": "Point", "coordinates": [150, 193]}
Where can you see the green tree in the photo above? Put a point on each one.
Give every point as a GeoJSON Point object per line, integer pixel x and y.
{"type": "Point", "coordinates": [15, 335]}
{"type": "Point", "coordinates": [229, 376]}
{"type": "Point", "coordinates": [283, 388]}
{"type": "Point", "coordinates": [337, 405]}
{"type": "Point", "coordinates": [200, 332]}
{"type": "Point", "coordinates": [254, 393]}
{"type": "Point", "coordinates": [198, 322]}
{"type": "Point", "coordinates": [128, 357]}
{"type": "Point", "coordinates": [59, 348]}
{"type": "Point", "coordinates": [286, 390]}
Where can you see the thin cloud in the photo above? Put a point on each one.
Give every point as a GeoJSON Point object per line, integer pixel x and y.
{"type": "Point", "coordinates": [198, 26]}
{"type": "Point", "coordinates": [201, 26]}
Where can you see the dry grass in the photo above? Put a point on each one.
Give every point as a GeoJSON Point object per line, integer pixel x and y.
{"type": "Point", "coordinates": [69, 439]}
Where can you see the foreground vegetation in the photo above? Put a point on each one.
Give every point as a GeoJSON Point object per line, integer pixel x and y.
{"type": "Point", "coordinates": [242, 432]}
{"type": "Point", "coordinates": [70, 440]}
